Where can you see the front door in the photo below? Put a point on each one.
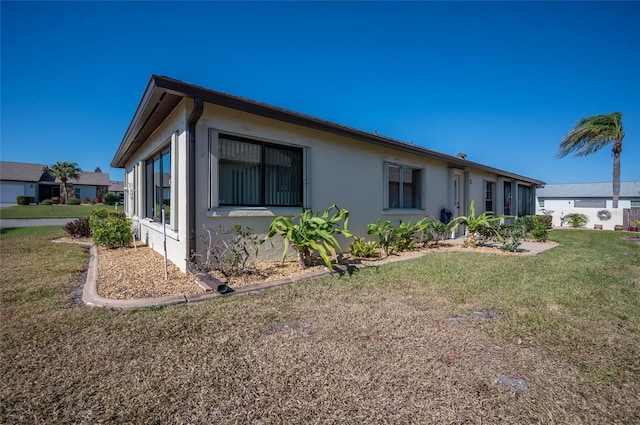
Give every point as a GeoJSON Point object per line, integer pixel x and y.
{"type": "Point", "coordinates": [458, 199]}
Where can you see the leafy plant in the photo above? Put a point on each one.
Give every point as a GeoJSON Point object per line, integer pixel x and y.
{"type": "Point", "coordinates": [73, 201]}
{"type": "Point", "coordinates": [230, 256]}
{"type": "Point", "coordinates": [313, 232]}
{"type": "Point", "coordinates": [434, 231]}
{"type": "Point", "coordinates": [474, 223]}
{"type": "Point", "coordinates": [78, 228]}
{"type": "Point", "coordinates": [110, 229]}
{"type": "Point", "coordinates": [540, 233]}
{"type": "Point", "coordinates": [361, 247]}
{"type": "Point", "coordinates": [385, 233]}
{"type": "Point", "coordinates": [575, 219]}
{"type": "Point", "coordinates": [47, 202]}
{"type": "Point", "coordinates": [404, 236]}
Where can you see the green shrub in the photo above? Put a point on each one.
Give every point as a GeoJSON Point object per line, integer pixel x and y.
{"type": "Point", "coordinates": [526, 222]}
{"type": "Point", "coordinates": [47, 202]}
{"type": "Point", "coordinates": [25, 200]}
{"type": "Point", "coordinates": [111, 198]}
{"type": "Point", "coordinates": [575, 219]}
{"type": "Point", "coordinates": [73, 201]}
{"type": "Point", "coordinates": [540, 233]}
{"type": "Point", "coordinates": [543, 220]}
{"type": "Point", "coordinates": [86, 200]}
{"type": "Point", "coordinates": [78, 228]}
{"type": "Point", "coordinates": [511, 236]}
{"type": "Point", "coordinates": [363, 248]}
{"type": "Point", "coordinates": [110, 229]}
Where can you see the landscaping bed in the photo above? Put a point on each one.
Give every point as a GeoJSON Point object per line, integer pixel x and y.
{"type": "Point", "coordinates": [138, 272]}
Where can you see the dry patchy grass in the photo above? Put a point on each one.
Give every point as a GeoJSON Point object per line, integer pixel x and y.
{"type": "Point", "coordinates": [377, 347]}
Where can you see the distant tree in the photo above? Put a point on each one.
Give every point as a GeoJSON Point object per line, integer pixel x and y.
{"type": "Point", "coordinates": [592, 134]}
{"type": "Point", "coordinates": [64, 171]}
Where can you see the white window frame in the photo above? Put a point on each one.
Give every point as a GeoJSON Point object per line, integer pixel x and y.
{"type": "Point", "coordinates": [421, 190]}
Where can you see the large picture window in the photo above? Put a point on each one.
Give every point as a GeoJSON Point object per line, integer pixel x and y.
{"type": "Point", "coordinates": [254, 173]}
{"type": "Point", "coordinates": [404, 188]}
{"type": "Point", "coordinates": [158, 182]}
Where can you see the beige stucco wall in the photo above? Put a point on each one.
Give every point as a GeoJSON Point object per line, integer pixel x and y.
{"type": "Point", "coordinates": [339, 170]}
{"type": "Point", "coordinates": [172, 130]}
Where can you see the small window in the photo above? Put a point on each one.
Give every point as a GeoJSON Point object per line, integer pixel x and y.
{"type": "Point", "coordinates": [404, 187]}
{"type": "Point", "coordinates": [77, 192]}
{"type": "Point", "coordinates": [541, 203]}
{"type": "Point", "coordinates": [158, 184]}
{"type": "Point", "coordinates": [254, 173]}
{"type": "Point", "coordinates": [489, 196]}
{"type": "Point", "coordinates": [507, 198]}
{"type": "Point", "coordinates": [635, 204]}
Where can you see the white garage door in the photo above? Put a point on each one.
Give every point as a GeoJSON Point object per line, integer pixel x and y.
{"type": "Point", "coordinates": [9, 191]}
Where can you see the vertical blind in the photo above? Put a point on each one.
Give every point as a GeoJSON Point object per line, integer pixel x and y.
{"type": "Point", "coordinates": [252, 173]}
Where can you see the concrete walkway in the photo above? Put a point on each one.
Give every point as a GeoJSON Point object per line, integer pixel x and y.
{"type": "Point", "coordinates": [33, 222]}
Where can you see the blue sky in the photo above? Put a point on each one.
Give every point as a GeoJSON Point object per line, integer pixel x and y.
{"type": "Point", "coordinates": [499, 81]}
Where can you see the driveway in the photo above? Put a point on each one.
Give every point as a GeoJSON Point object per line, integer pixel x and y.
{"type": "Point", "coordinates": [33, 222]}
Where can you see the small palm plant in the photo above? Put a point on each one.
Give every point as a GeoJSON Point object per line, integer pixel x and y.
{"type": "Point", "coordinates": [575, 219]}
{"type": "Point", "coordinates": [313, 232]}
{"type": "Point", "coordinates": [475, 224]}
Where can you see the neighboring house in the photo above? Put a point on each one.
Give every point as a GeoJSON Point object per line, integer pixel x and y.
{"type": "Point", "coordinates": [19, 178]}
{"type": "Point", "coordinates": [591, 199]}
{"type": "Point", "coordinates": [208, 158]}
{"type": "Point", "coordinates": [117, 188]}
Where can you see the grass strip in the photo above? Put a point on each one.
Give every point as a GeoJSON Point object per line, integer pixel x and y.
{"type": "Point", "coordinates": [49, 211]}
{"type": "Point", "coordinates": [392, 344]}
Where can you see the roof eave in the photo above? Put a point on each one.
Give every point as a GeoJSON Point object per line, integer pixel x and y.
{"type": "Point", "coordinates": [159, 86]}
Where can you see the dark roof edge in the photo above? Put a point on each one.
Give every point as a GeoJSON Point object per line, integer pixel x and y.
{"type": "Point", "coordinates": [183, 89]}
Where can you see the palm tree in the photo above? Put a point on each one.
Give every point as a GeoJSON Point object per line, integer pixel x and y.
{"type": "Point", "coordinates": [64, 171]}
{"type": "Point", "coordinates": [592, 134]}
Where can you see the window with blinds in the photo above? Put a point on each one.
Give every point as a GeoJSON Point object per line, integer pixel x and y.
{"type": "Point", "coordinates": [254, 173]}
{"type": "Point", "coordinates": [403, 187]}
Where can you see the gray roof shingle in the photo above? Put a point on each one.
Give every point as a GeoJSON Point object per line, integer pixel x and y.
{"type": "Point", "coordinates": [589, 190]}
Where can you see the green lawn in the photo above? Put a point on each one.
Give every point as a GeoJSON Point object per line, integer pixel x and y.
{"type": "Point", "coordinates": [50, 211]}
{"type": "Point", "coordinates": [391, 344]}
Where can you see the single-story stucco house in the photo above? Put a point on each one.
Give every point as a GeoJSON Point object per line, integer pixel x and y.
{"type": "Point", "coordinates": [209, 158]}
{"type": "Point", "coordinates": [594, 200]}
{"type": "Point", "coordinates": [27, 179]}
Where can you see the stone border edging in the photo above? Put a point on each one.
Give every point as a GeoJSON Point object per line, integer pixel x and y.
{"type": "Point", "coordinates": [90, 296]}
